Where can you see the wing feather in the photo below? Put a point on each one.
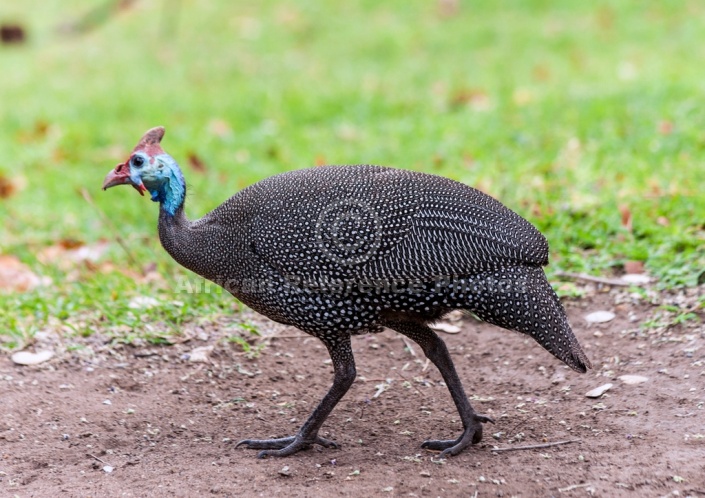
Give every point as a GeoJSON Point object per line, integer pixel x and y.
{"type": "Point", "coordinates": [342, 222]}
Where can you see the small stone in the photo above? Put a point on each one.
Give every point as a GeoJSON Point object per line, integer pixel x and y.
{"type": "Point", "coordinates": [600, 317]}
{"type": "Point", "coordinates": [633, 379]}
{"type": "Point", "coordinates": [142, 302]}
{"type": "Point", "coordinates": [107, 402]}
{"type": "Point", "coordinates": [29, 358]}
{"type": "Point", "coordinates": [448, 328]}
{"type": "Point", "coordinates": [557, 377]}
{"type": "Point", "coordinates": [107, 469]}
{"type": "Point", "coordinates": [285, 471]}
{"type": "Point", "coordinates": [200, 355]}
{"type": "Point", "coordinates": [636, 278]}
{"type": "Point", "coordinates": [425, 473]}
{"type": "Point", "coordinates": [598, 391]}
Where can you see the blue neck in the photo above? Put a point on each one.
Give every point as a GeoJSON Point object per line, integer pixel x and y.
{"type": "Point", "coordinates": [171, 192]}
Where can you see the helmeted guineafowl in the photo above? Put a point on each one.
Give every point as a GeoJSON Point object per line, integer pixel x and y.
{"type": "Point", "coordinates": [343, 250]}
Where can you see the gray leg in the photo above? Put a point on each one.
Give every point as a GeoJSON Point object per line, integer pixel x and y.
{"type": "Point", "coordinates": [344, 366]}
{"type": "Point", "coordinates": [436, 351]}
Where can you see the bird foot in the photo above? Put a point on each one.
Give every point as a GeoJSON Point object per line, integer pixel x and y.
{"type": "Point", "coordinates": [284, 446]}
{"type": "Point", "coordinates": [451, 447]}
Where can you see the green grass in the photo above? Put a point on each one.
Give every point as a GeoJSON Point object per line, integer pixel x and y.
{"type": "Point", "coordinates": [565, 111]}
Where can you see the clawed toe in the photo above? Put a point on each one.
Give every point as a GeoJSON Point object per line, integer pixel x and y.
{"type": "Point", "coordinates": [439, 445]}
{"type": "Point", "coordinates": [451, 447]}
{"type": "Point", "coordinates": [266, 444]}
{"type": "Point", "coordinates": [284, 446]}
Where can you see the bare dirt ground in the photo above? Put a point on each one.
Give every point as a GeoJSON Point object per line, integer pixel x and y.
{"type": "Point", "coordinates": [164, 425]}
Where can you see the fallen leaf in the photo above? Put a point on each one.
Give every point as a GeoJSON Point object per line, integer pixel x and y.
{"type": "Point", "coordinates": [66, 253]}
{"type": "Point", "coordinates": [70, 243]}
{"type": "Point", "coordinates": [665, 127]}
{"type": "Point", "coordinates": [7, 187]}
{"type": "Point", "coordinates": [196, 163]}
{"type": "Point", "coordinates": [476, 99]}
{"type": "Point", "coordinates": [448, 8]}
{"type": "Point", "coordinates": [41, 128]}
{"type": "Point", "coordinates": [15, 276]}
{"type": "Point", "coordinates": [626, 217]}
{"type": "Point", "coordinates": [12, 34]}
{"type": "Point", "coordinates": [633, 267]}
{"type": "Point", "coordinates": [219, 128]}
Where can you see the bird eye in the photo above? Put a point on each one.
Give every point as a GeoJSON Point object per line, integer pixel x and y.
{"type": "Point", "coordinates": [137, 161]}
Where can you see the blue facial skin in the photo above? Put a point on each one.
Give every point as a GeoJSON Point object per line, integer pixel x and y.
{"type": "Point", "coordinates": [162, 177]}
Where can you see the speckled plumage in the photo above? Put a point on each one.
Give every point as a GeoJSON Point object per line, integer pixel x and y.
{"type": "Point", "coordinates": [342, 250]}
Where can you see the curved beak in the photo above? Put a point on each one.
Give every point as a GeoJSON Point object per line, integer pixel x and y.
{"type": "Point", "coordinates": [121, 176]}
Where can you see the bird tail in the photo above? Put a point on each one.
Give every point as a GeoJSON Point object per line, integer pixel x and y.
{"type": "Point", "coordinates": [531, 306]}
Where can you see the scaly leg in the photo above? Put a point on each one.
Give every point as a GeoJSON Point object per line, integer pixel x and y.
{"type": "Point", "coordinates": [436, 351]}
{"type": "Point", "coordinates": [344, 366]}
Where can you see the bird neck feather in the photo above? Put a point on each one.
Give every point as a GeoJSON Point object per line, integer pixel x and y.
{"type": "Point", "coordinates": [171, 193]}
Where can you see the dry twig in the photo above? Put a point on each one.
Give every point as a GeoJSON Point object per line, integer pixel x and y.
{"type": "Point", "coordinates": [597, 280]}
{"type": "Point", "coordinates": [409, 346]}
{"type": "Point", "coordinates": [574, 486]}
{"type": "Point", "coordinates": [100, 460]}
{"type": "Point", "coordinates": [113, 228]}
{"type": "Point", "coordinates": [536, 446]}
{"type": "Point", "coordinates": [410, 383]}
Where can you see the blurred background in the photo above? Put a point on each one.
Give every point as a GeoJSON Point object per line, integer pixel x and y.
{"type": "Point", "coordinates": [587, 118]}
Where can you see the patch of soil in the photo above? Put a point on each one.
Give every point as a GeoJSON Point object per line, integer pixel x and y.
{"type": "Point", "coordinates": [167, 426]}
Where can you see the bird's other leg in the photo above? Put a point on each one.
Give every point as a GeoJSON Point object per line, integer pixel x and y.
{"type": "Point", "coordinates": [436, 351]}
{"type": "Point", "coordinates": [344, 366]}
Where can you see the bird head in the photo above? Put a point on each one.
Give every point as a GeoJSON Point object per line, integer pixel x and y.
{"type": "Point", "coordinates": [151, 169]}
{"type": "Point", "coordinates": [147, 169]}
